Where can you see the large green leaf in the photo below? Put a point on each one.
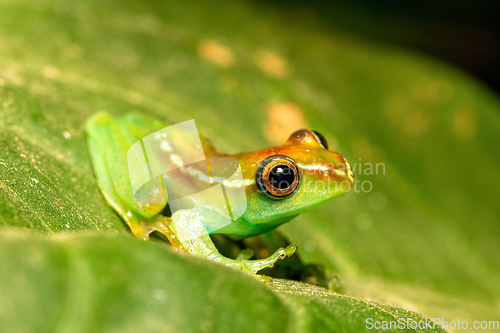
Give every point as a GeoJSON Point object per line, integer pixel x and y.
{"type": "Point", "coordinates": [425, 238]}
{"type": "Point", "coordinates": [119, 284]}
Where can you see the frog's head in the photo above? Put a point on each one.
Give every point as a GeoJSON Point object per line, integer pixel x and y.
{"type": "Point", "coordinates": [294, 177]}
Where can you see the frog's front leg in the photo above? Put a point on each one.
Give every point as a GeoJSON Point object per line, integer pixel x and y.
{"type": "Point", "coordinates": [294, 268]}
{"type": "Point", "coordinates": [189, 228]}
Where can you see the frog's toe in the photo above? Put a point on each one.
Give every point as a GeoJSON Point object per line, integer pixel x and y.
{"type": "Point", "coordinates": [290, 250]}
{"type": "Point", "coordinates": [281, 253]}
{"type": "Point", "coordinates": [245, 254]}
{"type": "Point", "coordinates": [287, 252]}
{"type": "Point", "coordinates": [140, 231]}
{"type": "Point", "coordinates": [263, 278]}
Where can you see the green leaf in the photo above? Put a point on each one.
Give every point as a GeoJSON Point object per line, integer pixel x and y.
{"type": "Point", "coordinates": [424, 238]}
{"type": "Point", "coordinates": [120, 284]}
{"type": "Point", "coordinates": [116, 283]}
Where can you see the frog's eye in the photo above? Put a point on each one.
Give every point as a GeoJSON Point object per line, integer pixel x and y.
{"type": "Point", "coordinates": [277, 176]}
{"type": "Point", "coordinates": [307, 137]}
{"type": "Point", "coordinates": [321, 139]}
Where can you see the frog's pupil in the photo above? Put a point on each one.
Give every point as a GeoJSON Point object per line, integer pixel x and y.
{"type": "Point", "coordinates": [281, 177]}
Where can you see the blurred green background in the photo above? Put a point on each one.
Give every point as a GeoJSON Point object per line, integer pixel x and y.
{"type": "Point", "coordinates": [422, 242]}
{"type": "Point", "coordinates": [464, 33]}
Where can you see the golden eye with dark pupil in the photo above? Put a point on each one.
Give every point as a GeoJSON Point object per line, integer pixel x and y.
{"type": "Point", "coordinates": [281, 177]}
{"type": "Point", "coordinates": [277, 176]}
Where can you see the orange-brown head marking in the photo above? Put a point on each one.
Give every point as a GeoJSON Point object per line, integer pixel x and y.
{"type": "Point", "coordinates": [283, 181]}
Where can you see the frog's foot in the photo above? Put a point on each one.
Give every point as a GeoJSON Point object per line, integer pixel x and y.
{"type": "Point", "coordinates": [161, 224]}
{"type": "Point", "coordinates": [142, 228]}
{"type": "Point", "coordinates": [251, 267]}
{"type": "Point", "coordinates": [256, 265]}
{"type": "Point", "coordinates": [138, 227]}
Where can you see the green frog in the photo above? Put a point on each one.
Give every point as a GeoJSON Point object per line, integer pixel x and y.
{"type": "Point", "coordinates": [279, 183]}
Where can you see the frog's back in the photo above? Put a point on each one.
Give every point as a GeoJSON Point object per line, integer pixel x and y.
{"type": "Point", "coordinates": [109, 140]}
{"type": "Point", "coordinates": [182, 151]}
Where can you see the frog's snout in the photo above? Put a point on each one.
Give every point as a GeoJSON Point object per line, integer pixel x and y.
{"type": "Point", "coordinates": [343, 170]}
{"type": "Point", "coordinates": [338, 171]}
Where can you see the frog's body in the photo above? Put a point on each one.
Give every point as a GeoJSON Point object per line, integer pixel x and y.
{"type": "Point", "coordinates": [320, 175]}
